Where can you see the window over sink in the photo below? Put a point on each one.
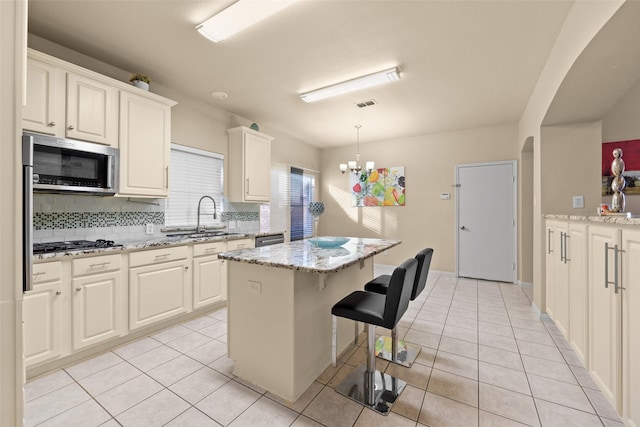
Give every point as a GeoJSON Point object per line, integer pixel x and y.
{"type": "Point", "coordinates": [194, 173]}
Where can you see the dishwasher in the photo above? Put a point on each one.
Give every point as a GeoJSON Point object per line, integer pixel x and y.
{"type": "Point", "coordinates": [270, 239]}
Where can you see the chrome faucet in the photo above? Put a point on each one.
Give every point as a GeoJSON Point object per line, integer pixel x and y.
{"type": "Point", "coordinates": [215, 216]}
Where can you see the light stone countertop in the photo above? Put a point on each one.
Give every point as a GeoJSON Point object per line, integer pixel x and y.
{"type": "Point", "coordinates": [607, 219]}
{"type": "Point", "coordinates": [301, 255]}
{"type": "Point", "coordinates": [130, 246]}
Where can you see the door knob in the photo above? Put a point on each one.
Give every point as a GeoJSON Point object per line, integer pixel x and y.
{"type": "Point", "coordinates": [463, 228]}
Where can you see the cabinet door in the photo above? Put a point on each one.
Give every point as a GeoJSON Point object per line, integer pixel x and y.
{"type": "Point", "coordinates": [92, 110]}
{"type": "Point", "coordinates": [604, 313]}
{"type": "Point", "coordinates": [97, 308]}
{"type": "Point", "coordinates": [557, 275]}
{"type": "Point", "coordinates": [145, 131]}
{"type": "Point", "coordinates": [631, 328]}
{"type": "Point", "coordinates": [157, 292]}
{"type": "Point", "coordinates": [577, 259]}
{"type": "Point", "coordinates": [41, 315]}
{"type": "Point", "coordinates": [257, 167]}
{"type": "Point", "coordinates": [44, 110]}
{"type": "Point", "coordinates": [209, 281]}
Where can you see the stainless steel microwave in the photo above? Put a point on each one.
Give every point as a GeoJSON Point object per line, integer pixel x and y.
{"type": "Point", "coordinates": [65, 165]}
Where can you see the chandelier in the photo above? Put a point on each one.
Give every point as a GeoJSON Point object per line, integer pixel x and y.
{"type": "Point", "coordinates": [354, 166]}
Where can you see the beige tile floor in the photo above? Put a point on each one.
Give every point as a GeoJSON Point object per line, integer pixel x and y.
{"type": "Point", "coordinates": [485, 361]}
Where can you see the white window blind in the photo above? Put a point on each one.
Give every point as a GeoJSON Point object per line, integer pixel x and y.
{"type": "Point", "coordinates": [194, 173]}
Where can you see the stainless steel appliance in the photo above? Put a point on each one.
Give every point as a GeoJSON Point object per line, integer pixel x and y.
{"type": "Point", "coordinates": [271, 239]}
{"type": "Point", "coordinates": [72, 245]}
{"type": "Point", "coordinates": [65, 165]}
{"type": "Point", "coordinates": [57, 165]}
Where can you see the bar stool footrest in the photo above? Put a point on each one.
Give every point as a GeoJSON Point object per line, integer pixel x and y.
{"type": "Point", "coordinates": [387, 389]}
{"type": "Point", "coordinates": [406, 354]}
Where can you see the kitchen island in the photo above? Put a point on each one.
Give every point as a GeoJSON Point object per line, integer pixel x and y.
{"type": "Point", "coordinates": [279, 305]}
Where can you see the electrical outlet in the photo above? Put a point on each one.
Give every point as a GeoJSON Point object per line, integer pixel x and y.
{"type": "Point", "coordinates": [578, 202]}
{"type": "Point", "coordinates": [255, 287]}
{"type": "Point", "coordinates": [149, 229]}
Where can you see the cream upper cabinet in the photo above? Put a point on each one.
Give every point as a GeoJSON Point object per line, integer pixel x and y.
{"type": "Point", "coordinates": [145, 139]}
{"type": "Point", "coordinates": [99, 300]}
{"type": "Point", "coordinates": [92, 110]}
{"type": "Point", "coordinates": [249, 165]}
{"type": "Point", "coordinates": [42, 314]}
{"type": "Point", "coordinates": [67, 104]}
{"type": "Point", "coordinates": [44, 110]}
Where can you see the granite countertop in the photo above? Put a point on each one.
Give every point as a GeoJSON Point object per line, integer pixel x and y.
{"type": "Point", "coordinates": [140, 245]}
{"type": "Point", "coordinates": [608, 219]}
{"type": "Point", "coordinates": [301, 255]}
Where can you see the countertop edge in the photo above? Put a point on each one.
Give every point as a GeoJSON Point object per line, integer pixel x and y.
{"type": "Point", "coordinates": [606, 219]}
{"type": "Point", "coordinates": [237, 258]}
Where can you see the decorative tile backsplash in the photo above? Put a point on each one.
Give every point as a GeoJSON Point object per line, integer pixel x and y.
{"type": "Point", "coordinates": [66, 220]}
{"type": "Point", "coordinates": [69, 217]}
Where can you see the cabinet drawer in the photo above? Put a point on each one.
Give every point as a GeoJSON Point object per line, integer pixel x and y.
{"type": "Point", "coordinates": [240, 244]}
{"type": "Point", "coordinates": [93, 265]}
{"type": "Point", "coordinates": [46, 272]}
{"type": "Point", "coordinates": [209, 248]}
{"type": "Point", "coordinates": [154, 256]}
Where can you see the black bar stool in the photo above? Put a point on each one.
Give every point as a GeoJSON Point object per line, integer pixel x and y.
{"type": "Point", "coordinates": [365, 385]}
{"type": "Point", "coordinates": [401, 353]}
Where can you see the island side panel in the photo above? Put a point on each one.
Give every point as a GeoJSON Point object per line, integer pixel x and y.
{"type": "Point", "coordinates": [260, 329]}
{"type": "Point", "coordinates": [313, 320]}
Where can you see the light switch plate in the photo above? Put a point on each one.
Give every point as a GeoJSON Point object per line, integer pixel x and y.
{"type": "Point", "coordinates": [149, 228]}
{"type": "Point", "coordinates": [578, 202]}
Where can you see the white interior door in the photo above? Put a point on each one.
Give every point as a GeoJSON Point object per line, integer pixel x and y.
{"type": "Point", "coordinates": [486, 221]}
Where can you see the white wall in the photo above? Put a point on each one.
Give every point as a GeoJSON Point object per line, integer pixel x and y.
{"type": "Point", "coordinates": [429, 161]}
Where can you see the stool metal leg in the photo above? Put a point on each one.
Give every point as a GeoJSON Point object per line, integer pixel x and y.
{"type": "Point", "coordinates": [373, 389]}
{"type": "Point", "coordinates": [334, 345]}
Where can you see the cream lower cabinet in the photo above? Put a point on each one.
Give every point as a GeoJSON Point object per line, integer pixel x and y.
{"type": "Point", "coordinates": [99, 300]}
{"type": "Point", "coordinates": [614, 318]}
{"type": "Point", "coordinates": [209, 274]}
{"type": "Point", "coordinates": [576, 253]}
{"type": "Point", "coordinates": [557, 277]}
{"type": "Point", "coordinates": [630, 294]}
{"type": "Point", "coordinates": [159, 285]}
{"type": "Point", "coordinates": [42, 314]}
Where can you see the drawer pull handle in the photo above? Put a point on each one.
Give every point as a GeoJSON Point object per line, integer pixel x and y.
{"type": "Point", "coordinates": [58, 293]}
{"type": "Point", "coordinates": [212, 250]}
{"type": "Point", "coordinates": [162, 256]}
{"type": "Point", "coordinates": [78, 289]}
{"type": "Point", "coordinates": [51, 124]}
{"type": "Point", "coordinates": [39, 273]}
{"type": "Point", "coordinates": [100, 264]}
{"type": "Point", "coordinates": [70, 127]}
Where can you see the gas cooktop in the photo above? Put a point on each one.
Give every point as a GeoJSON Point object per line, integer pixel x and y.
{"type": "Point", "coordinates": [72, 245]}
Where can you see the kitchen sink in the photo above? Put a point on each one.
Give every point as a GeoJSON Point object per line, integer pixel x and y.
{"type": "Point", "coordinates": [195, 235]}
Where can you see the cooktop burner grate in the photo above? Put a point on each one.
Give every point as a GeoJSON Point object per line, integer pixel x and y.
{"type": "Point", "coordinates": [72, 245]}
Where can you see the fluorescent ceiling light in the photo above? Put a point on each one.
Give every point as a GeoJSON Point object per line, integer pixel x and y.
{"type": "Point", "coordinates": [358, 83]}
{"type": "Point", "coordinates": [240, 15]}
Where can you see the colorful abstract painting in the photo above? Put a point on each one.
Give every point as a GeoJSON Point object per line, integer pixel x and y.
{"type": "Point", "coordinates": [381, 187]}
{"type": "Point", "coordinates": [631, 157]}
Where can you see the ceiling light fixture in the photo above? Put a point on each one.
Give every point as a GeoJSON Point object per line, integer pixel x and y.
{"type": "Point", "coordinates": [358, 83]}
{"type": "Point", "coordinates": [240, 15]}
{"type": "Point", "coordinates": [354, 166]}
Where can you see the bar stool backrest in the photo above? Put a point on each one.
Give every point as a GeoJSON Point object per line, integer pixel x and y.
{"type": "Point", "coordinates": [399, 292]}
{"type": "Point", "coordinates": [424, 262]}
